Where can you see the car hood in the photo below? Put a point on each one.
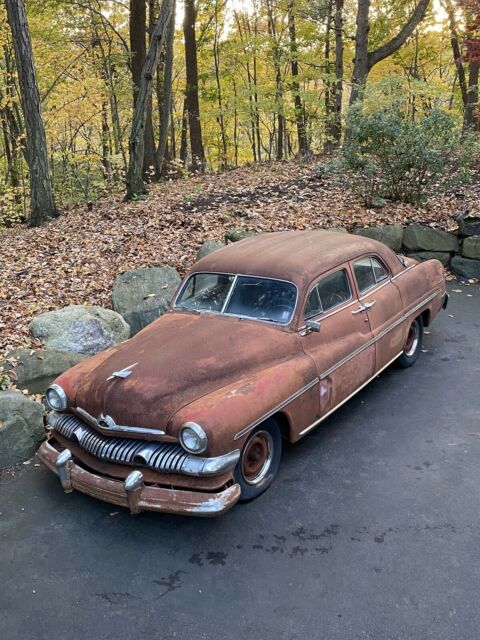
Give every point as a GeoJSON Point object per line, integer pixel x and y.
{"type": "Point", "coordinates": [175, 360]}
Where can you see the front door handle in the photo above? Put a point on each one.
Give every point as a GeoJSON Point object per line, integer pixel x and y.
{"type": "Point", "coordinates": [359, 310]}
{"type": "Point", "coordinates": [369, 305]}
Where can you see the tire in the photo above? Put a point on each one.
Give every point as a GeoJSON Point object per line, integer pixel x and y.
{"type": "Point", "coordinates": [413, 344]}
{"type": "Point", "coordinates": [259, 460]}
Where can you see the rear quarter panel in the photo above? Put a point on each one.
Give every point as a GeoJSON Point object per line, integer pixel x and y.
{"type": "Point", "coordinates": [422, 281]}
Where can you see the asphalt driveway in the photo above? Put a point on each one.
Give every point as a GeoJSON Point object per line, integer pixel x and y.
{"type": "Point", "coordinates": [372, 529]}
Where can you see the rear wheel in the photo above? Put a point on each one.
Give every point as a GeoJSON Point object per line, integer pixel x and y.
{"type": "Point", "coordinates": [259, 460]}
{"type": "Point", "coordinates": [413, 344]}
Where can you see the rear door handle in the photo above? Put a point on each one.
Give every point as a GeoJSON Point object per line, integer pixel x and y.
{"type": "Point", "coordinates": [359, 310]}
{"type": "Point", "coordinates": [369, 305]}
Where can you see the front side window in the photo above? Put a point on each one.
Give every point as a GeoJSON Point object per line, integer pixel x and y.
{"type": "Point", "coordinates": [368, 272]}
{"type": "Point", "coordinates": [245, 296]}
{"type": "Point", "coordinates": [328, 293]}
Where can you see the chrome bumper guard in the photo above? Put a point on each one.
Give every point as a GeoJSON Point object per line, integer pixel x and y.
{"type": "Point", "coordinates": [164, 457]}
{"type": "Point", "coordinates": [132, 492]}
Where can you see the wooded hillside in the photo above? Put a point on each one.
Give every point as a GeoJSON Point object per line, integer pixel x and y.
{"type": "Point", "coordinates": [106, 94]}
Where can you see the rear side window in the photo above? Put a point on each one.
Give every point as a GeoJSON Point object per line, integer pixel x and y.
{"type": "Point", "coordinates": [328, 293]}
{"type": "Point", "coordinates": [368, 272]}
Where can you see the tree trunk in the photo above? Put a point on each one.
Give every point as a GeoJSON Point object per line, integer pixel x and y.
{"type": "Point", "coordinates": [135, 185]}
{"type": "Point", "coordinates": [221, 120]}
{"type": "Point", "coordinates": [471, 116]}
{"type": "Point", "coordinates": [42, 203]}
{"type": "Point", "coordinates": [193, 106]}
{"type": "Point", "coordinates": [364, 59]}
{"type": "Point", "coordinates": [184, 134]}
{"type": "Point", "coordinates": [166, 93]}
{"type": "Point", "coordinates": [337, 116]}
{"type": "Point", "coordinates": [138, 39]}
{"type": "Point", "coordinates": [299, 111]}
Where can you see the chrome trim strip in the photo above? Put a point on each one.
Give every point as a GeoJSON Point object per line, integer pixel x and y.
{"type": "Point", "coordinates": [370, 293]}
{"type": "Point", "coordinates": [317, 422]}
{"type": "Point", "coordinates": [335, 366]}
{"type": "Point", "coordinates": [404, 271]}
{"type": "Point", "coordinates": [277, 408]}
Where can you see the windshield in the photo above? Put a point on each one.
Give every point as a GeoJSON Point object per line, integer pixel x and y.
{"type": "Point", "coordinates": [243, 296]}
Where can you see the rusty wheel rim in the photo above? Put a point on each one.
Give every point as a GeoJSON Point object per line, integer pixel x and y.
{"type": "Point", "coordinates": [257, 457]}
{"type": "Point", "coordinates": [412, 340]}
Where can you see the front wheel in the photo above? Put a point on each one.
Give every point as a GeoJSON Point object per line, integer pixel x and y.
{"type": "Point", "coordinates": [259, 460]}
{"type": "Point", "coordinates": [413, 344]}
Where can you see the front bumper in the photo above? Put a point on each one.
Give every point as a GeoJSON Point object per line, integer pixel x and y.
{"type": "Point", "coordinates": [133, 493]}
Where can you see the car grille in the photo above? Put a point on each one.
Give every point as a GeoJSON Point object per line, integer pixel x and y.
{"type": "Point", "coordinates": [160, 456]}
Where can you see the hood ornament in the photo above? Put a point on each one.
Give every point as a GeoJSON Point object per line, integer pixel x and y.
{"type": "Point", "coordinates": [123, 373]}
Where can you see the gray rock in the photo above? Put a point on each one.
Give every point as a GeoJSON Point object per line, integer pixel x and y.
{"type": "Point", "coordinates": [389, 234]}
{"type": "Point", "coordinates": [36, 369]}
{"type": "Point", "coordinates": [469, 225]}
{"type": "Point", "coordinates": [237, 233]}
{"type": "Point", "coordinates": [471, 247]}
{"type": "Point", "coordinates": [443, 257]}
{"type": "Point", "coordinates": [208, 247]}
{"type": "Point", "coordinates": [416, 237]}
{"type": "Point", "coordinates": [140, 296]}
{"type": "Point", "coordinates": [21, 427]}
{"type": "Point", "coordinates": [80, 329]}
{"type": "Point", "coordinates": [466, 267]}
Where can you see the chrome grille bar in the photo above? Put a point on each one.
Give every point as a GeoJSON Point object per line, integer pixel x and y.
{"type": "Point", "coordinates": [159, 456]}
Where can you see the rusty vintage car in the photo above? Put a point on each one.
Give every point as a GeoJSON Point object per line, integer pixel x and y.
{"type": "Point", "coordinates": [263, 341]}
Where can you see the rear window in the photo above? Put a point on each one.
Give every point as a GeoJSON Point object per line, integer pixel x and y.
{"type": "Point", "coordinates": [368, 272]}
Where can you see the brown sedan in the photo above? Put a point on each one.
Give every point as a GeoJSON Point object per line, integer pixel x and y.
{"type": "Point", "coordinates": [263, 341]}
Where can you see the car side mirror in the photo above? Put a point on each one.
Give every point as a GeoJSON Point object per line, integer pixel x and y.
{"type": "Point", "coordinates": [313, 325]}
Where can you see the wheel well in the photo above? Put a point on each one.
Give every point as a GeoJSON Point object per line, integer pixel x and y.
{"type": "Point", "coordinates": [283, 424]}
{"type": "Point", "coordinates": [426, 317]}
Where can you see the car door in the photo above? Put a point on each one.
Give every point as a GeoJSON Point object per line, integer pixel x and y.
{"type": "Point", "coordinates": [342, 348]}
{"type": "Point", "coordinates": [383, 306]}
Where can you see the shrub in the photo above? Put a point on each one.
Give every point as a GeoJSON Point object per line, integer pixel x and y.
{"type": "Point", "coordinates": [389, 155]}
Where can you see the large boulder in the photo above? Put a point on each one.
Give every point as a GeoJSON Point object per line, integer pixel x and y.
{"type": "Point", "coordinates": [208, 247]}
{"type": "Point", "coordinates": [21, 427]}
{"type": "Point", "coordinates": [236, 234]}
{"type": "Point", "coordinates": [35, 369]}
{"type": "Point", "coordinates": [80, 329]}
{"type": "Point", "coordinates": [416, 237]}
{"type": "Point", "coordinates": [466, 267]}
{"type": "Point", "coordinates": [471, 247]}
{"type": "Point", "coordinates": [443, 257]}
{"type": "Point", "coordinates": [140, 296]}
{"type": "Point", "coordinates": [389, 234]}
{"type": "Point", "coordinates": [469, 225]}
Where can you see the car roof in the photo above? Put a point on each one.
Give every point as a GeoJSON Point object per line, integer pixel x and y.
{"type": "Point", "coordinates": [297, 256]}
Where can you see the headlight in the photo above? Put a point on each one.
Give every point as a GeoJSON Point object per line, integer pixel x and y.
{"type": "Point", "coordinates": [56, 398]}
{"type": "Point", "coordinates": [193, 438]}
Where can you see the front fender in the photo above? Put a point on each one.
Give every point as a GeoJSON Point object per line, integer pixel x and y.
{"type": "Point", "coordinates": [228, 411]}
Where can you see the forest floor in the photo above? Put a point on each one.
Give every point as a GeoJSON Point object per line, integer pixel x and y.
{"type": "Point", "coordinates": [75, 259]}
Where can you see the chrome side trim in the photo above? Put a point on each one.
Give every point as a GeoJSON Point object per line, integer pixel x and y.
{"type": "Point", "coordinates": [404, 271]}
{"type": "Point", "coordinates": [335, 366]}
{"type": "Point", "coordinates": [277, 408]}
{"type": "Point", "coordinates": [369, 293]}
{"type": "Point", "coordinates": [317, 422]}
